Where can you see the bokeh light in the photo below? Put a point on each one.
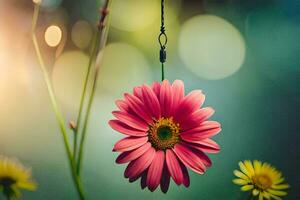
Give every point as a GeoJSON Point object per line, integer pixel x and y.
{"type": "Point", "coordinates": [211, 47]}
{"type": "Point", "coordinates": [53, 35]}
{"type": "Point", "coordinates": [133, 15]}
{"type": "Point", "coordinates": [67, 76]}
{"type": "Point", "coordinates": [122, 74]}
{"type": "Point", "coordinates": [81, 34]}
{"type": "Point", "coordinates": [36, 1]}
{"type": "Point", "coordinates": [58, 17]}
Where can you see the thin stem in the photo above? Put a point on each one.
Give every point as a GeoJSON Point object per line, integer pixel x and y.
{"type": "Point", "coordinates": [82, 141]}
{"type": "Point", "coordinates": [162, 72]}
{"type": "Point", "coordinates": [74, 144]}
{"type": "Point", "coordinates": [95, 43]}
{"type": "Point", "coordinates": [57, 112]}
{"type": "Point", "coordinates": [103, 32]}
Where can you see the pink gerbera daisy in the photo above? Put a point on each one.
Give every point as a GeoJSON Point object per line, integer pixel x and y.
{"type": "Point", "coordinates": [166, 133]}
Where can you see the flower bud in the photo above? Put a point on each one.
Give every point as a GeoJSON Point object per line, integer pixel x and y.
{"type": "Point", "coordinates": [72, 125]}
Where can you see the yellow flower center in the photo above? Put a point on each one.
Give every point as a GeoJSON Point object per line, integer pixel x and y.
{"type": "Point", "coordinates": [164, 133]}
{"type": "Point", "coordinates": [262, 181]}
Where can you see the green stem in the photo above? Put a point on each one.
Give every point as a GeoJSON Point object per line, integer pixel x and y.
{"type": "Point", "coordinates": [57, 112]}
{"type": "Point", "coordinates": [162, 72]}
{"type": "Point", "coordinates": [82, 141]}
{"type": "Point", "coordinates": [74, 144]}
{"type": "Point", "coordinates": [95, 43]}
{"type": "Point", "coordinates": [103, 32]}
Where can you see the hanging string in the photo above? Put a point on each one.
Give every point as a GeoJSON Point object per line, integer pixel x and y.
{"type": "Point", "coordinates": [162, 39]}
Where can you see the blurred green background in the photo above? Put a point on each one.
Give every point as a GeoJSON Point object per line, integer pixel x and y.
{"type": "Point", "coordinates": [244, 55]}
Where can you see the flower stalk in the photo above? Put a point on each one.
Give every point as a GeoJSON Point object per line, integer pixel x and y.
{"type": "Point", "coordinates": [97, 54]}
{"type": "Point", "coordinates": [75, 157]}
{"type": "Point", "coordinates": [57, 112]}
{"type": "Point", "coordinates": [95, 44]}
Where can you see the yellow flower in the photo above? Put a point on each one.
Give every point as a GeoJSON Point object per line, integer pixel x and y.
{"type": "Point", "coordinates": [265, 181]}
{"type": "Point", "coordinates": [13, 177]}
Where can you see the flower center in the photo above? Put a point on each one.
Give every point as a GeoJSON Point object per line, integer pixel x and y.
{"type": "Point", "coordinates": [262, 181]}
{"type": "Point", "coordinates": [164, 133]}
{"type": "Point", "coordinates": [6, 182]}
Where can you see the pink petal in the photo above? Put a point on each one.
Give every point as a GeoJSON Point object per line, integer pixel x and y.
{"type": "Point", "coordinates": [155, 170]}
{"type": "Point", "coordinates": [138, 107]}
{"type": "Point", "coordinates": [178, 93]}
{"type": "Point", "coordinates": [174, 167]}
{"type": "Point", "coordinates": [186, 177]}
{"type": "Point", "coordinates": [189, 104]}
{"type": "Point", "coordinates": [165, 180]}
{"type": "Point", "coordinates": [137, 91]}
{"type": "Point", "coordinates": [132, 155]}
{"type": "Point", "coordinates": [122, 105]}
{"type": "Point", "coordinates": [205, 130]}
{"type": "Point", "coordinates": [129, 143]}
{"type": "Point", "coordinates": [165, 98]}
{"type": "Point", "coordinates": [189, 158]}
{"type": "Point", "coordinates": [204, 113]}
{"type": "Point", "coordinates": [144, 179]}
{"type": "Point", "coordinates": [133, 179]}
{"type": "Point", "coordinates": [131, 120]}
{"type": "Point", "coordinates": [204, 158]}
{"type": "Point", "coordinates": [124, 128]}
{"type": "Point", "coordinates": [207, 145]}
{"type": "Point", "coordinates": [156, 88]}
{"type": "Point", "coordinates": [196, 118]}
{"type": "Point", "coordinates": [136, 167]}
{"type": "Point", "coordinates": [151, 101]}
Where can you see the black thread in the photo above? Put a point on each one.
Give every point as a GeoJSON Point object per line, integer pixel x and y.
{"type": "Point", "coordinates": [162, 39]}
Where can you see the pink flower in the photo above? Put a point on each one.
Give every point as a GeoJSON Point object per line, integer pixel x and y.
{"type": "Point", "coordinates": [167, 133]}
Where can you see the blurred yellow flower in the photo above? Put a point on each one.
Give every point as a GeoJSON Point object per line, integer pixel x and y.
{"type": "Point", "coordinates": [13, 177]}
{"type": "Point", "coordinates": [265, 181]}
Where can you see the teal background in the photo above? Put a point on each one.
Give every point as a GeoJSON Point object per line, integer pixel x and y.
{"type": "Point", "coordinates": [258, 108]}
